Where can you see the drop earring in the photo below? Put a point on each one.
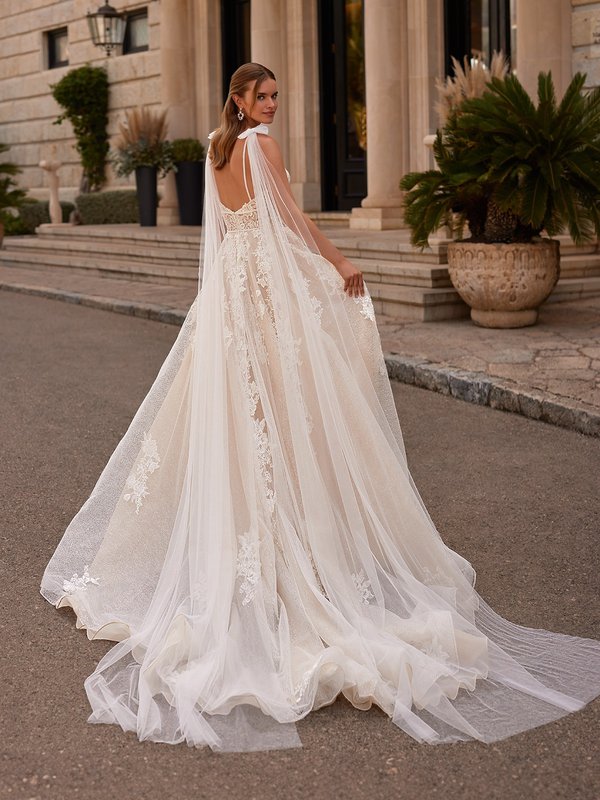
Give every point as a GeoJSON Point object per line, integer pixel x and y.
{"type": "Point", "coordinates": [240, 114]}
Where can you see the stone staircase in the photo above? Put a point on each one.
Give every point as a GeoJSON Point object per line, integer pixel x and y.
{"type": "Point", "coordinates": [404, 282]}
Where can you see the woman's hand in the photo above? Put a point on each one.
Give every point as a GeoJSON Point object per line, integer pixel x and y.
{"type": "Point", "coordinates": [353, 278]}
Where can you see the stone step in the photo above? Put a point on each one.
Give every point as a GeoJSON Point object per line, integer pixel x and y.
{"type": "Point", "coordinates": [176, 235]}
{"type": "Point", "coordinates": [575, 289]}
{"type": "Point", "coordinates": [580, 265]}
{"type": "Point", "coordinates": [403, 272]}
{"type": "Point", "coordinates": [567, 246]}
{"type": "Point", "coordinates": [388, 248]}
{"type": "Point", "coordinates": [74, 248]}
{"type": "Point", "coordinates": [110, 267]}
{"type": "Point", "coordinates": [330, 219]}
{"type": "Point", "coordinates": [404, 282]}
{"type": "Point", "coordinates": [417, 303]}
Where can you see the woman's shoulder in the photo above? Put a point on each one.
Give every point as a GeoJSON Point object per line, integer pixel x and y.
{"type": "Point", "coordinates": [270, 147]}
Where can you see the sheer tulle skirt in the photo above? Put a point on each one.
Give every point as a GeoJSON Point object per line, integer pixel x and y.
{"type": "Point", "coordinates": [256, 545]}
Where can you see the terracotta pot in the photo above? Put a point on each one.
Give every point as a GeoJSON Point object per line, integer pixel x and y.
{"type": "Point", "coordinates": [504, 283]}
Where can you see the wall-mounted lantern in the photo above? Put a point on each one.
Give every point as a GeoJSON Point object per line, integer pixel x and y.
{"type": "Point", "coordinates": [107, 28]}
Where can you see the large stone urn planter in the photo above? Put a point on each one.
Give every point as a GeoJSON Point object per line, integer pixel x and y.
{"type": "Point", "coordinates": [504, 284]}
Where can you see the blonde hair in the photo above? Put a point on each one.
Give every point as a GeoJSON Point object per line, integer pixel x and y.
{"type": "Point", "coordinates": [223, 140]}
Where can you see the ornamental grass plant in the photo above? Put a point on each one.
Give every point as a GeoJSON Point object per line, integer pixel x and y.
{"type": "Point", "coordinates": [142, 142]}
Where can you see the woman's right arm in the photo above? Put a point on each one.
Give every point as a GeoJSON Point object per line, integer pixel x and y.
{"type": "Point", "coordinates": [353, 278]}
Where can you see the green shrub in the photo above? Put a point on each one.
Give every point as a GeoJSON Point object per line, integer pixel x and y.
{"type": "Point", "coordinates": [13, 225]}
{"type": "Point", "coordinates": [83, 93]}
{"type": "Point", "coordinates": [31, 214]}
{"type": "Point", "coordinates": [108, 208]}
{"type": "Point", "coordinates": [187, 150]}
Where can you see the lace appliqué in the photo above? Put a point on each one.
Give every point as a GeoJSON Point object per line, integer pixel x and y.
{"type": "Point", "coordinates": [300, 689]}
{"type": "Point", "coordinates": [263, 453]}
{"type": "Point", "coordinates": [244, 219]}
{"type": "Point", "coordinates": [434, 650]}
{"type": "Point", "coordinates": [248, 567]}
{"type": "Point", "coordinates": [365, 305]}
{"type": "Point", "coordinates": [78, 582]}
{"type": "Point", "coordinates": [435, 577]}
{"type": "Point", "coordinates": [363, 587]}
{"type": "Point", "coordinates": [137, 482]}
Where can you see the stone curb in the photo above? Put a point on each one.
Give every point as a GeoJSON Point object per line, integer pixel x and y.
{"type": "Point", "coordinates": [473, 387]}
{"type": "Point", "coordinates": [483, 390]}
{"type": "Point", "coordinates": [157, 313]}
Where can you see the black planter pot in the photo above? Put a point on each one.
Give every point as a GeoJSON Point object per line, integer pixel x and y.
{"type": "Point", "coordinates": [147, 195]}
{"type": "Point", "coordinates": [190, 191]}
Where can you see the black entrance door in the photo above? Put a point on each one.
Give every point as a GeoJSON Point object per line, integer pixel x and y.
{"type": "Point", "coordinates": [343, 111]}
{"type": "Point", "coordinates": [235, 32]}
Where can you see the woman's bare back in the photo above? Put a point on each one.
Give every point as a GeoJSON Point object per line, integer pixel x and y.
{"type": "Point", "coordinates": [233, 192]}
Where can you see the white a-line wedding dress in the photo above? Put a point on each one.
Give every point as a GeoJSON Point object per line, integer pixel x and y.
{"type": "Point", "coordinates": [256, 546]}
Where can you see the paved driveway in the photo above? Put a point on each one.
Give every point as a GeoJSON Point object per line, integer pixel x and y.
{"type": "Point", "coordinates": [518, 498]}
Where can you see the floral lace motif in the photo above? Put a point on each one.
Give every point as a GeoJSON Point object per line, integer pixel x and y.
{"type": "Point", "coordinates": [434, 650]}
{"type": "Point", "coordinates": [248, 566]}
{"type": "Point", "coordinates": [244, 219]}
{"type": "Point", "coordinates": [363, 587]}
{"type": "Point", "coordinates": [78, 582]}
{"type": "Point", "coordinates": [137, 482]}
{"type": "Point", "coordinates": [365, 305]}
{"type": "Point", "coordinates": [302, 686]}
{"type": "Point", "coordinates": [242, 305]}
{"type": "Point", "coordinates": [433, 578]}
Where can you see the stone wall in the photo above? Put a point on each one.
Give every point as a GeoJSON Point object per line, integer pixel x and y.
{"type": "Point", "coordinates": [27, 108]}
{"type": "Point", "coordinates": [586, 40]}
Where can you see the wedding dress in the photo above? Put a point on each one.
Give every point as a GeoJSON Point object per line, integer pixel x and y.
{"type": "Point", "coordinates": [256, 546]}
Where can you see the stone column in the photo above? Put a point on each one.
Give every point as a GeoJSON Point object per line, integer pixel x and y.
{"type": "Point", "coordinates": [267, 44]}
{"type": "Point", "coordinates": [177, 88]}
{"type": "Point", "coordinates": [302, 102]}
{"type": "Point", "coordinates": [386, 71]}
{"type": "Point", "coordinates": [207, 67]}
{"type": "Point", "coordinates": [426, 63]}
{"type": "Point", "coordinates": [544, 42]}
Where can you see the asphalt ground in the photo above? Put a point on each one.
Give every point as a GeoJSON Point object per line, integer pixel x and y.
{"type": "Point", "coordinates": [517, 497]}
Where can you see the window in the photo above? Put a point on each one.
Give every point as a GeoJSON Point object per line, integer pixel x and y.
{"type": "Point", "coordinates": [136, 32]}
{"type": "Point", "coordinates": [478, 27]}
{"type": "Point", "coordinates": [57, 44]}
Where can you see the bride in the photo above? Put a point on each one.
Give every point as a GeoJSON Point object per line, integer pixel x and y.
{"type": "Point", "coordinates": [256, 546]}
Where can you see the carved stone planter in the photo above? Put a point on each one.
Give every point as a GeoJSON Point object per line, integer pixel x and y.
{"type": "Point", "coordinates": [504, 283]}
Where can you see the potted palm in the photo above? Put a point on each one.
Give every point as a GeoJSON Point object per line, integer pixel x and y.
{"type": "Point", "coordinates": [510, 170]}
{"type": "Point", "coordinates": [11, 197]}
{"type": "Point", "coordinates": [188, 155]}
{"type": "Point", "coordinates": [142, 147]}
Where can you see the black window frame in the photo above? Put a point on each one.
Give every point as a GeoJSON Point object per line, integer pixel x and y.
{"type": "Point", "coordinates": [128, 49]}
{"type": "Point", "coordinates": [51, 49]}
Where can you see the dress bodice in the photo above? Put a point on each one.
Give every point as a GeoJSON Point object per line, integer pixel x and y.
{"type": "Point", "coordinates": [244, 219]}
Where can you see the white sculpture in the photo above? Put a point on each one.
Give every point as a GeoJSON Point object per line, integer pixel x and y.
{"type": "Point", "coordinates": [52, 166]}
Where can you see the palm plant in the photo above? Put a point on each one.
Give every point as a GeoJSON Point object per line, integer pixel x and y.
{"type": "Point", "coordinates": [511, 169]}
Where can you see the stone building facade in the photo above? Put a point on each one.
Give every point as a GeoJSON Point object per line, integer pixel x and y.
{"type": "Point", "coordinates": [341, 65]}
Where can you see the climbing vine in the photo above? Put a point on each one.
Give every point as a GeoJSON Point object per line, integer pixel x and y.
{"type": "Point", "coordinates": [83, 93]}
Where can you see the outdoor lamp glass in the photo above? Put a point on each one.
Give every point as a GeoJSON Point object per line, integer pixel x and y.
{"type": "Point", "coordinates": [107, 28]}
